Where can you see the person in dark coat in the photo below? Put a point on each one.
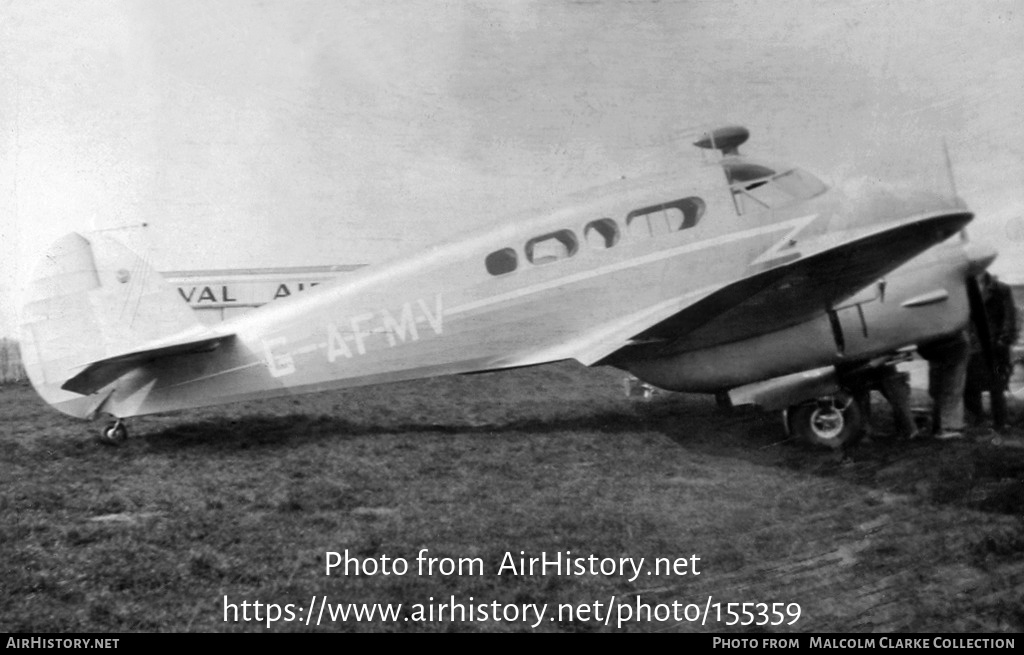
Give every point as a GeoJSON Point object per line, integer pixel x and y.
{"type": "Point", "coordinates": [991, 365]}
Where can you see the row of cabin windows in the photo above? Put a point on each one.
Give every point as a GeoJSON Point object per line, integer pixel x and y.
{"type": "Point", "coordinates": [600, 234]}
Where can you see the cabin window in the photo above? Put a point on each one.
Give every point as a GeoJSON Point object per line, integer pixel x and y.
{"type": "Point", "coordinates": [665, 218]}
{"type": "Point", "coordinates": [602, 233]}
{"type": "Point", "coordinates": [551, 247]}
{"type": "Point", "coordinates": [501, 261]}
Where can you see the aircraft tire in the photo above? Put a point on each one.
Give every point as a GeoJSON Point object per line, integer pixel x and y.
{"type": "Point", "coordinates": [833, 421]}
{"type": "Point", "coordinates": [114, 434]}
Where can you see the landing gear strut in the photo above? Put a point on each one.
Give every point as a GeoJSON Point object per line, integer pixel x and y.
{"type": "Point", "coordinates": [114, 433]}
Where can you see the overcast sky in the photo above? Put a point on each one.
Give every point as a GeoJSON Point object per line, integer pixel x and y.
{"type": "Point", "coordinates": [285, 132]}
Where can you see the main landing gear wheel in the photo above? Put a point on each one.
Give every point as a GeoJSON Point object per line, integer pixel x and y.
{"type": "Point", "coordinates": [114, 434]}
{"type": "Point", "coordinates": [833, 421]}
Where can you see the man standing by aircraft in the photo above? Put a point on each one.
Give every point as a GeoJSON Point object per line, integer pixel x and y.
{"type": "Point", "coordinates": [991, 364]}
{"type": "Point", "coordinates": [947, 377]}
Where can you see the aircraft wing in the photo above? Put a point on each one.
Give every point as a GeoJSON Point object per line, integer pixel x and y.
{"type": "Point", "coordinates": [786, 295]}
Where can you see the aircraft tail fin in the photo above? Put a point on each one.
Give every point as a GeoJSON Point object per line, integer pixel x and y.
{"type": "Point", "coordinates": [93, 309]}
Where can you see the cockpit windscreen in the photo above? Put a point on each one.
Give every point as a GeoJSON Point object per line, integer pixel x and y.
{"type": "Point", "coordinates": [756, 186]}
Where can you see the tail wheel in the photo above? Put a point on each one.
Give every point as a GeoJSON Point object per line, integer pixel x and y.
{"type": "Point", "coordinates": [114, 434]}
{"type": "Point", "coordinates": [833, 421]}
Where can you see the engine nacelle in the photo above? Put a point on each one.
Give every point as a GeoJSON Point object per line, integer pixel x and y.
{"type": "Point", "coordinates": [924, 300]}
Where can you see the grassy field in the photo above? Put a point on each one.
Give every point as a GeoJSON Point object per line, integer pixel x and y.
{"type": "Point", "coordinates": [244, 501]}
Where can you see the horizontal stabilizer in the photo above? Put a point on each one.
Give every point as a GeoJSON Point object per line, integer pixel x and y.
{"type": "Point", "coordinates": [99, 374]}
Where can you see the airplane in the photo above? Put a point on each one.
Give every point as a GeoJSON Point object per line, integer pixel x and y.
{"type": "Point", "coordinates": [717, 276]}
